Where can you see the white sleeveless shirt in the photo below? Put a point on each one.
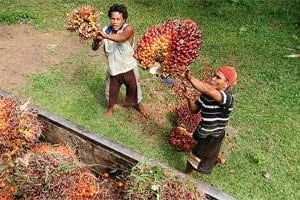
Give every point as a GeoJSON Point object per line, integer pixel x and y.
{"type": "Point", "coordinates": [119, 54]}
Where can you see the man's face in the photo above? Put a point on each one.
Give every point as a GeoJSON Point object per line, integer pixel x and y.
{"type": "Point", "coordinates": [219, 81]}
{"type": "Point", "coordinates": [116, 20]}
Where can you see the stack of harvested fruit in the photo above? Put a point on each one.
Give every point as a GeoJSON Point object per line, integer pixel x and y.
{"type": "Point", "coordinates": [19, 128]}
{"type": "Point", "coordinates": [84, 20]}
{"type": "Point", "coordinates": [174, 45]}
{"type": "Point", "coordinates": [29, 170]}
{"type": "Point", "coordinates": [151, 182]}
{"type": "Point", "coordinates": [53, 172]}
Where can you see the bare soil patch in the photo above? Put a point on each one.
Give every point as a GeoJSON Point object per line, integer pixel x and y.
{"type": "Point", "coordinates": [25, 50]}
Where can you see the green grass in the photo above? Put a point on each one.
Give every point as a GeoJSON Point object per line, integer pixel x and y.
{"type": "Point", "coordinates": [251, 35]}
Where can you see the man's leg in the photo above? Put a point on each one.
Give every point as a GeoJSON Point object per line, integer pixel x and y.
{"type": "Point", "coordinates": [188, 168]}
{"type": "Point", "coordinates": [210, 152]}
{"type": "Point", "coordinates": [132, 92]}
{"type": "Point", "coordinates": [138, 84]}
{"type": "Point", "coordinates": [192, 162]}
{"type": "Point", "coordinates": [112, 89]}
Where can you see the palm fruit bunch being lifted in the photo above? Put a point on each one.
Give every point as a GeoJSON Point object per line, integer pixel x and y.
{"type": "Point", "coordinates": [19, 128]}
{"type": "Point", "coordinates": [174, 45]}
{"type": "Point", "coordinates": [84, 20]}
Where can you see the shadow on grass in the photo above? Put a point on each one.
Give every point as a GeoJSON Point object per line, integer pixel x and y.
{"type": "Point", "coordinates": [94, 79]}
{"type": "Point", "coordinates": [158, 132]}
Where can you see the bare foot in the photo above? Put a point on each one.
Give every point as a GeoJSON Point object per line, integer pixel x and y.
{"type": "Point", "coordinates": [109, 112]}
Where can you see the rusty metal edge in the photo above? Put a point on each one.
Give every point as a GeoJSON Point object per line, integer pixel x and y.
{"type": "Point", "coordinates": [119, 149]}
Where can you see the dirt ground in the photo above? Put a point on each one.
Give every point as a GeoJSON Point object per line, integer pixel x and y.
{"type": "Point", "coordinates": [25, 50]}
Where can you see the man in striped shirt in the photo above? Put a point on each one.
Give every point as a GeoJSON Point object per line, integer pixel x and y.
{"type": "Point", "coordinates": [215, 105]}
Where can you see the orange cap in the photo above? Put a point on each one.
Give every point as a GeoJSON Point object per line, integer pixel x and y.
{"type": "Point", "coordinates": [230, 74]}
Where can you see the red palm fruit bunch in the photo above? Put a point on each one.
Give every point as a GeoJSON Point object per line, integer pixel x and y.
{"type": "Point", "coordinates": [113, 186]}
{"type": "Point", "coordinates": [186, 119]}
{"type": "Point", "coordinates": [173, 44]}
{"type": "Point", "coordinates": [82, 184]}
{"type": "Point", "coordinates": [6, 186]}
{"type": "Point", "coordinates": [207, 73]}
{"type": "Point", "coordinates": [181, 136]}
{"type": "Point", "coordinates": [19, 128]}
{"type": "Point", "coordinates": [55, 149]}
{"type": "Point", "coordinates": [52, 172]}
{"type": "Point", "coordinates": [177, 190]}
{"type": "Point", "coordinates": [85, 21]}
{"type": "Point", "coordinates": [182, 89]}
{"type": "Point", "coordinates": [181, 139]}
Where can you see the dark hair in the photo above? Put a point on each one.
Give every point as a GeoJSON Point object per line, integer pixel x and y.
{"type": "Point", "coordinates": [121, 8]}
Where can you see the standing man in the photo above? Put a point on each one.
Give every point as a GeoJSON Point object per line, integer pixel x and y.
{"type": "Point", "coordinates": [215, 105]}
{"type": "Point", "coordinates": [122, 66]}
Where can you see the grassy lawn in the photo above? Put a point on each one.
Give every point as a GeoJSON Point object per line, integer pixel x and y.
{"type": "Point", "coordinates": [251, 35]}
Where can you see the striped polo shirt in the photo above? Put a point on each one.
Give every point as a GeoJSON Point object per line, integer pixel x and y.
{"type": "Point", "coordinates": [214, 115]}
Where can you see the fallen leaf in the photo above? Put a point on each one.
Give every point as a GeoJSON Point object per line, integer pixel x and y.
{"type": "Point", "coordinates": [265, 174]}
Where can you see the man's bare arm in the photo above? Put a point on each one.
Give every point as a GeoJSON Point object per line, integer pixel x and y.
{"type": "Point", "coordinates": [205, 88]}
{"type": "Point", "coordinates": [120, 37]}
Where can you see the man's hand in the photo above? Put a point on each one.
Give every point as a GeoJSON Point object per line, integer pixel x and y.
{"type": "Point", "coordinates": [188, 76]}
{"type": "Point", "coordinates": [185, 91]}
{"type": "Point", "coordinates": [98, 37]}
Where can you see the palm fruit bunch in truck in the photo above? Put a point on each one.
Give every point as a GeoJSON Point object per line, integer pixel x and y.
{"type": "Point", "coordinates": [19, 128]}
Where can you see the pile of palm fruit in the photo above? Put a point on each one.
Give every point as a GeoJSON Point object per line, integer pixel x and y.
{"type": "Point", "coordinates": [85, 21]}
{"type": "Point", "coordinates": [152, 182]}
{"type": "Point", "coordinates": [19, 128]}
{"type": "Point", "coordinates": [174, 45]}
{"type": "Point", "coordinates": [35, 170]}
{"type": "Point", "coordinates": [29, 170]}
{"type": "Point", "coordinates": [53, 172]}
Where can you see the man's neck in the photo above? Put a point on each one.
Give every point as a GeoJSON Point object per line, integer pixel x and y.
{"type": "Point", "coordinates": [116, 31]}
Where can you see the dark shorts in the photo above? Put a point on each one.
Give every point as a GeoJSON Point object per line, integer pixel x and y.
{"type": "Point", "coordinates": [204, 155]}
{"type": "Point", "coordinates": [115, 82]}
